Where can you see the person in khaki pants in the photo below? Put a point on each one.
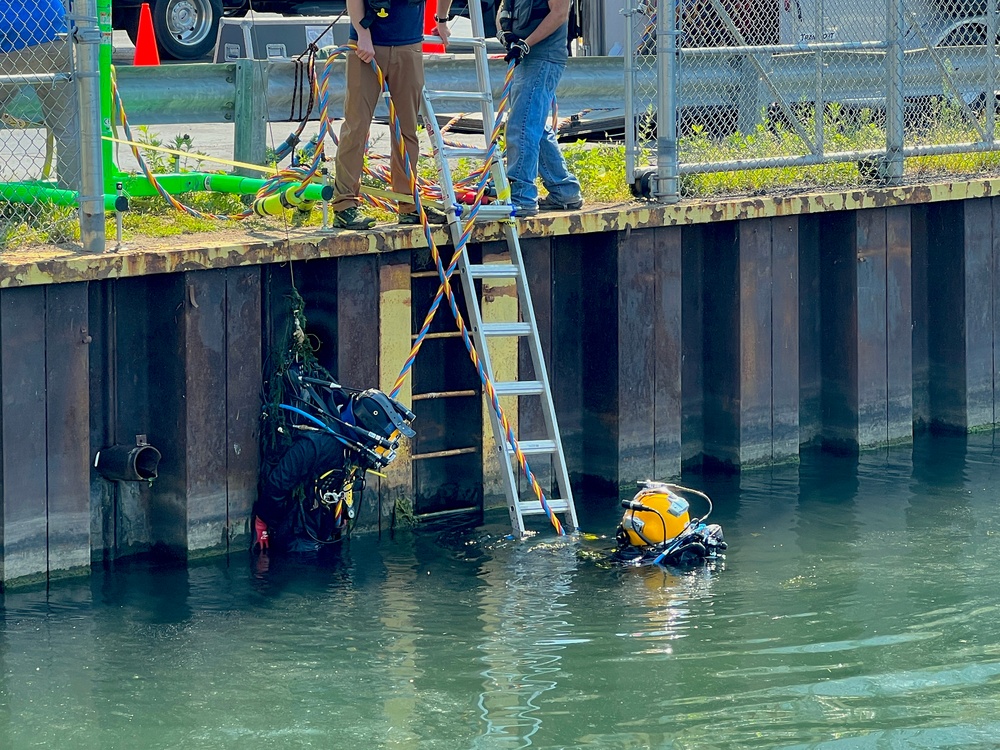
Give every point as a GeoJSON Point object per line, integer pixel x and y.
{"type": "Point", "coordinates": [33, 43]}
{"type": "Point", "coordinates": [391, 33]}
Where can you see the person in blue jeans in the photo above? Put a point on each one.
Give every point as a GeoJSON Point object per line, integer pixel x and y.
{"type": "Point", "coordinates": [534, 33]}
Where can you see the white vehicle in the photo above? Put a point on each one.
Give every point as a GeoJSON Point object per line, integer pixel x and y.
{"type": "Point", "coordinates": [936, 23]}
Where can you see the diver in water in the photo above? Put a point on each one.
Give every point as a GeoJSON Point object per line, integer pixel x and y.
{"type": "Point", "coordinates": [309, 497]}
{"type": "Point", "coordinates": [657, 529]}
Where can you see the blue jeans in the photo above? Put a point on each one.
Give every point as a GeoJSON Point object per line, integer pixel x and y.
{"type": "Point", "coordinates": [532, 149]}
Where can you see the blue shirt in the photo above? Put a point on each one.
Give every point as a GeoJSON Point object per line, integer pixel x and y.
{"type": "Point", "coordinates": [25, 23]}
{"type": "Point", "coordinates": [404, 25]}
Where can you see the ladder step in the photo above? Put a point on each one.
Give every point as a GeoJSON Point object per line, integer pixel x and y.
{"type": "Point", "coordinates": [519, 388]}
{"type": "Point", "coordinates": [535, 508]}
{"type": "Point", "coordinates": [494, 271]}
{"type": "Point", "coordinates": [506, 329]}
{"type": "Point", "coordinates": [473, 41]}
{"type": "Point", "coordinates": [464, 152]}
{"type": "Point", "coordinates": [464, 96]}
{"type": "Point", "coordinates": [490, 212]}
{"type": "Point", "coordinates": [534, 447]}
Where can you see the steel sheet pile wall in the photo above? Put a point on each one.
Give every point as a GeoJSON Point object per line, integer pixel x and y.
{"type": "Point", "coordinates": [729, 344]}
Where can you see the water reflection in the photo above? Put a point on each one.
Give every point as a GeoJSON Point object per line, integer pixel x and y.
{"type": "Point", "coordinates": [525, 629]}
{"type": "Point", "coordinates": [855, 609]}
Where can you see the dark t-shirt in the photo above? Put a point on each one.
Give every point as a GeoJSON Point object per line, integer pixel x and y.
{"type": "Point", "coordinates": [404, 25]}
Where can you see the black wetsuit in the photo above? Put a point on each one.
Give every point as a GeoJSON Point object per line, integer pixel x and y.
{"type": "Point", "coordinates": [300, 526]}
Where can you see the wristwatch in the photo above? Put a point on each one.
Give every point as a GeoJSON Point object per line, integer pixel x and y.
{"type": "Point", "coordinates": [441, 20]}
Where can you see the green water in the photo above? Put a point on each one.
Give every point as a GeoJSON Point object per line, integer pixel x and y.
{"type": "Point", "coordinates": [857, 608]}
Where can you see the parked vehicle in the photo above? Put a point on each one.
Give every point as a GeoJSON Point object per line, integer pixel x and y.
{"type": "Point", "coordinates": [188, 29]}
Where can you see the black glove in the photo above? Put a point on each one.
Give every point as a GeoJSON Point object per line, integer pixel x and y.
{"type": "Point", "coordinates": [517, 49]}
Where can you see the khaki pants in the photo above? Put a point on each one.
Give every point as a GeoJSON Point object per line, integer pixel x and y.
{"type": "Point", "coordinates": [58, 101]}
{"type": "Point", "coordinates": [403, 68]}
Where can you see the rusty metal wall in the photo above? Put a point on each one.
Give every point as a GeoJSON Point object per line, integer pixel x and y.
{"type": "Point", "coordinates": [734, 343]}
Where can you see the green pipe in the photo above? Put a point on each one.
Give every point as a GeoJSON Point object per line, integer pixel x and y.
{"type": "Point", "coordinates": [192, 182]}
{"type": "Point", "coordinates": [138, 186]}
{"type": "Point", "coordinates": [228, 183]}
{"type": "Point", "coordinates": [111, 172]}
{"type": "Point", "coordinates": [39, 192]}
{"type": "Point", "coordinates": [232, 183]}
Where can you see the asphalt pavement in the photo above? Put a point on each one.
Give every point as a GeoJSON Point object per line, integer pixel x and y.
{"type": "Point", "coordinates": [216, 140]}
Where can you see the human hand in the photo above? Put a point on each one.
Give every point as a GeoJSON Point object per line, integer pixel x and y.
{"type": "Point", "coordinates": [517, 49]}
{"type": "Point", "coordinates": [443, 31]}
{"type": "Point", "coordinates": [260, 534]}
{"type": "Point", "coordinates": [365, 49]}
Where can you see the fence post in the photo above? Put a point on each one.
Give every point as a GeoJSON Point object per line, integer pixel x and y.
{"type": "Point", "coordinates": [991, 51]}
{"type": "Point", "coordinates": [667, 61]}
{"type": "Point", "coordinates": [819, 112]}
{"type": "Point", "coordinates": [750, 103]}
{"type": "Point", "coordinates": [87, 40]}
{"type": "Point", "coordinates": [250, 114]}
{"type": "Point", "coordinates": [630, 122]}
{"type": "Point", "coordinates": [892, 171]}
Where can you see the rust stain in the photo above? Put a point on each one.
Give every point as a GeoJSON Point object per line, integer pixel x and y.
{"type": "Point", "coordinates": [55, 265]}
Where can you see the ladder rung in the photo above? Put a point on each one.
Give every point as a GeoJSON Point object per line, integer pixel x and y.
{"type": "Point", "coordinates": [443, 394]}
{"type": "Point", "coordinates": [491, 212]}
{"type": "Point", "coordinates": [465, 152]}
{"type": "Point", "coordinates": [519, 388]}
{"type": "Point", "coordinates": [534, 447]}
{"type": "Point", "coordinates": [506, 329]}
{"type": "Point", "coordinates": [474, 41]}
{"type": "Point", "coordinates": [445, 454]}
{"type": "Point", "coordinates": [494, 271]}
{"type": "Point", "coordinates": [535, 508]}
{"type": "Point", "coordinates": [464, 96]}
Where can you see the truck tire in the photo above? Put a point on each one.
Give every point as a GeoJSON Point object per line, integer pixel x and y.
{"type": "Point", "coordinates": [186, 29]}
{"type": "Point", "coordinates": [128, 20]}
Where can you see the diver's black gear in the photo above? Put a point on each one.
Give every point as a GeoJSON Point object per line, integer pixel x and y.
{"type": "Point", "coordinates": [704, 542]}
{"type": "Point", "coordinates": [308, 499]}
{"type": "Point", "coordinates": [311, 455]}
{"type": "Point", "coordinates": [302, 520]}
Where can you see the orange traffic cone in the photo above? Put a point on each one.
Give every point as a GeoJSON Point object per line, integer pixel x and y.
{"type": "Point", "coordinates": [430, 25]}
{"type": "Point", "coordinates": [146, 52]}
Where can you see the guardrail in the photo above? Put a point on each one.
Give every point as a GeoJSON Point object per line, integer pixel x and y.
{"type": "Point", "coordinates": [218, 93]}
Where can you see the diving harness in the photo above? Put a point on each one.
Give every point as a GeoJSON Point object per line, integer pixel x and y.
{"type": "Point", "coordinates": [657, 528]}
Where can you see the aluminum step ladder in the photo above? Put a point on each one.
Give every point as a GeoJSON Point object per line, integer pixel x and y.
{"type": "Point", "coordinates": [550, 446]}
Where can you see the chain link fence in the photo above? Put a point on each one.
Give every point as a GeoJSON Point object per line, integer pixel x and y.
{"type": "Point", "coordinates": [737, 96]}
{"type": "Point", "coordinates": [40, 172]}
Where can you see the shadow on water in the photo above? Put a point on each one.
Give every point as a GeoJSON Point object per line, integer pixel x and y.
{"type": "Point", "coordinates": [854, 609]}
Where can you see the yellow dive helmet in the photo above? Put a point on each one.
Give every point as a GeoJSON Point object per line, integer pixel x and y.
{"type": "Point", "coordinates": [655, 515]}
